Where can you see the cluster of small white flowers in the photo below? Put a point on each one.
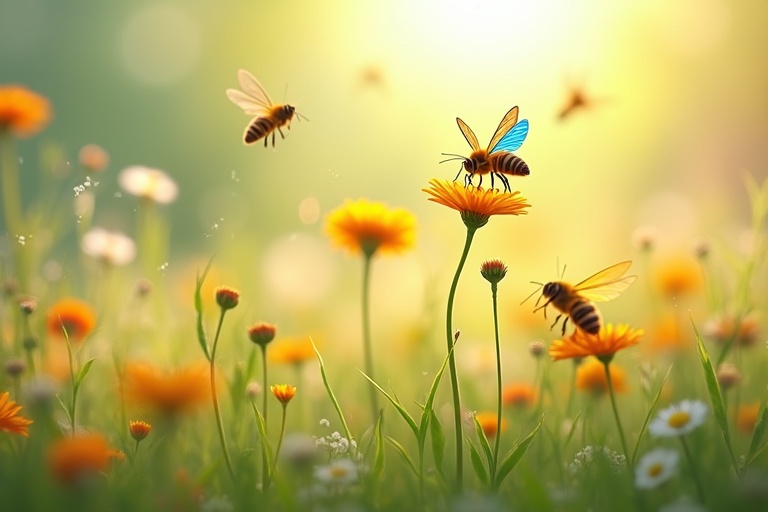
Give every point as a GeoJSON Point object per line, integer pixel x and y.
{"type": "Point", "coordinates": [583, 459]}
{"type": "Point", "coordinates": [339, 446]}
{"type": "Point", "coordinates": [79, 189]}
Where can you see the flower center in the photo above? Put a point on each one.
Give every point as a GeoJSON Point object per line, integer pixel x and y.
{"type": "Point", "coordinates": [679, 419]}
{"type": "Point", "coordinates": [338, 472]}
{"type": "Point", "coordinates": [655, 470]}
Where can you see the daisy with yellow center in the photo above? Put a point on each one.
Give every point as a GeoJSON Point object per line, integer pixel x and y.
{"type": "Point", "coordinates": [603, 345]}
{"type": "Point", "coordinates": [679, 419]}
{"type": "Point", "coordinates": [476, 206]}
{"type": "Point", "coordinates": [655, 468]}
{"type": "Point", "coordinates": [10, 420]}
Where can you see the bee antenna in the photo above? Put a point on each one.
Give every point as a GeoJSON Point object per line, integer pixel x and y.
{"type": "Point", "coordinates": [302, 116]}
{"type": "Point", "coordinates": [455, 157]}
{"type": "Point", "coordinates": [534, 291]}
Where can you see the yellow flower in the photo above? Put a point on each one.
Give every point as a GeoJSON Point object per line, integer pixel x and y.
{"type": "Point", "coordinates": [167, 392]}
{"type": "Point", "coordinates": [74, 315]}
{"type": "Point", "coordinates": [602, 345]}
{"type": "Point", "coordinates": [72, 458]}
{"type": "Point", "coordinates": [678, 275]}
{"type": "Point", "coordinates": [22, 111]}
{"type": "Point", "coordinates": [291, 351]}
{"type": "Point", "coordinates": [139, 429]}
{"type": "Point", "coordinates": [488, 422]}
{"type": "Point", "coordinates": [476, 205]}
{"type": "Point", "coordinates": [366, 226]}
{"type": "Point", "coordinates": [590, 378]}
{"type": "Point", "coordinates": [283, 392]}
{"type": "Point", "coordinates": [10, 421]}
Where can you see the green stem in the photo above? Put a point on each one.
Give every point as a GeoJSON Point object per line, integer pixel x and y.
{"type": "Point", "coordinates": [264, 459]}
{"type": "Point", "coordinates": [367, 350]}
{"type": "Point", "coordinates": [280, 439]}
{"type": "Point", "coordinates": [219, 423]}
{"type": "Point", "coordinates": [606, 365]}
{"type": "Point", "coordinates": [699, 487]}
{"type": "Point", "coordinates": [452, 361]}
{"type": "Point", "coordinates": [73, 410]}
{"type": "Point", "coordinates": [498, 384]}
{"type": "Point", "coordinates": [11, 194]}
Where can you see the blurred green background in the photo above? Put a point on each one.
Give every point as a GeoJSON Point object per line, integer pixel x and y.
{"type": "Point", "coordinates": [679, 114]}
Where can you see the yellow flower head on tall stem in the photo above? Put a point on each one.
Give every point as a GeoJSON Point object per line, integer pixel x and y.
{"type": "Point", "coordinates": [476, 205]}
{"type": "Point", "coordinates": [603, 345]}
{"type": "Point", "coordinates": [367, 227]}
{"type": "Point", "coordinates": [10, 421]}
{"type": "Point", "coordinates": [22, 111]}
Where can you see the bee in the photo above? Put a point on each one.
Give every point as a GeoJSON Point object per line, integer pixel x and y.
{"type": "Point", "coordinates": [576, 301]}
{"type": "Point", "coordinates": [497, 160]}
{"type": "Point", "coordinates": [254, 100]}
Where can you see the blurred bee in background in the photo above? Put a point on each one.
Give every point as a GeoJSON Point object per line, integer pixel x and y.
{"type": "Point", "coordinates": [577, 100]}
{"type": "Point", "coordinates": [498, 159]}
{"type": "Point", "coordinates": [576, 301]}
{"type": "Point", "coordinates": [253, 99]}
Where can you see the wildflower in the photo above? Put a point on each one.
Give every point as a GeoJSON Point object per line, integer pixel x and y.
{"type": "Point", "coordinates": [28, 305]}
{"type": "Point", "coordinates": [112, 247]}
{"type": "Point", "coordinates": [728, 376]}
{"type": "Point", "coordinates": [602, 345]}
{"type": "Point", "coordinates": [666, 338]}
{"type": "Point", "coordinates": [367, 226]}
{"type": "Point", "coordinates": [293, 351]}
{"type": "Point", "coordinates": [152, 184]}
{"type": "Point", "coordinates": [10, 421]}
{"type": "Point", "coordinates": [22, 111]}
{"type": "Point", "coordinates": [493, 271]}
{"type": "Point", "coordinates": [15, 367]}
{"type": "Point", "coordinates": [644, 238]}
{"type": "Point", "coordinates": [72, 459]}
{"type": "Point", "coordinates": [40, 391]}
{"type": "Point", "coordinates": [139, 429]}
{"type": "Point", "coordinates": [338, 445]}
{"type": "Point", "coordinates": [727, 328]}
{"type": "Point", "coordinates": [746, 417]}
{"type": "Point", "coordinates": [74, 315]}
{"type": "Point", "coordinates": [261, 334]}
{"type": "Point", "coordinates": [283, 392]}
{"type": "Point", "coordinates": [519, 395]}
{"type": "Point", "coordinates": [536, 348]}
{"type": "Point", "coordinates": [679, 419]}
{"type": "Point", "coordinates": [677, 275]}
{"type": "Point", "coordinates": [227, 298]}
{"type": "Point", "coordinates": [476, 205]}
{"type": "Point", "coordinates": [339, 472]}
{"type": "Point", "coordinates": [168, 392]}
{"type": "Point", "coordinates": [655, 468]}
{"type": "Point", "coordinates": [93, 158]}
{"type": "Point", "coordinates": [299, 450]}
{"type": "Point", "coordinates": [489, 422]}
{"type": "Point", "coordinates": [584, 459]}
{"type": "Point", "coordinates": [253, 390]}
{"type": "Point", "coordinates": [591, 378]}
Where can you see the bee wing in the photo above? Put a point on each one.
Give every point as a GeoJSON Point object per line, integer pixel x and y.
{"type": "Point", "coordinates": [606, 284]}
{"type": "Point", "coordinates": [468, 134]}
{"type": "Point", "coordinates": [513, 139]}
{"type": "Point", "coordinates": [253, 88]}
{"type": "Point", "coordinates": [249, 104]}
{"type": "Point", "coordinates": [507, 122]}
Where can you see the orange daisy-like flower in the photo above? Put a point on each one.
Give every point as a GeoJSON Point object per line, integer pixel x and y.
{"type": "Point", "coordinates": [291, 351]}
{"type": "Point", "coordinates": [22, 111]}
{"type": "Point", "coordinates": [74, 315]}
{"type": "Point", "coordinates": [170, 392]}
{"type": "Point", "coordinates": [74, 458]}
{"type": "Point", "coordinates": [489, 422]}
{"type": "Point", "coordinates": [602, 345]}
{"type": "Point", "coordinates": [591, 378]}
{"type": "Point", "coordinates": [139, 429]}
{"type": "Point", "coordinates": [366, 227]}
{"type": "Point", "coordinates": [476, 205]}
{"type": "Point", "coordinates": [10, 421]}
{"type": "Point", "coordinates": [519, 395]}
{"type": "Point", "coordinates": [283, 392]}
{"type": "Point", "coordinates": [746, 417]}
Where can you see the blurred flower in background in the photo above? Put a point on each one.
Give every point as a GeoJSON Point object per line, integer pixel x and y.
{"type": "Point", "coordinates": [152, 184]}
{"type": "Point", "coordinates": [591, 378]}
{"type": "Point", "coordinates": [168, 392]}
{"type": "Point", "coordinates": [74, 315]}
{"type": "Point", "coordinates": [367, 227]}
{"type": "Point", "coordinates": [93, 158]}
{"type": "Point", "coordinates": [75, 460]}
{"type": "Point", "coordinates": [112, 247]}
{"type": "Point", "coordinates": [23, 112]}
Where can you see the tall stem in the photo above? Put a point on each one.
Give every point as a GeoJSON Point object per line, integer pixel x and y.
{"type": "Point", "coordinates": [498, 384]}
{"type": "Point", "coordinates": [616, 410]}
{"type": "Point", "coordinates": [367, 350]}
{"type": "Point", "coordinates": [219, 423]}
{"type": "Point", "coordinates": [11, 195]}
{"type": "Point", "coordinates": [699, 486]}
{"type": "Point", "coordinates": [264, 461]}
{"type": "Point", "coordinates": [280, 439]}
{"type": "Point", "coordinates": [452, 362]}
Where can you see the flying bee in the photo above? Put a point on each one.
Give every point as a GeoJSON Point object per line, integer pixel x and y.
{"type": "Point", "coordinates": [498, 159]}
{"type": "Point", "coordinates": [254, 100]}
{"type": "Point", "coordinates": [577, 301]}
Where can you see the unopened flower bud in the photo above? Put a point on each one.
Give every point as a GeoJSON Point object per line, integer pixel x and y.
{"type": "Point", "coordinates": [227, 298]}
{"type": "Point", "coordinates": [262, 333]}
{"type": "Point", "coordinates": [493, 271]}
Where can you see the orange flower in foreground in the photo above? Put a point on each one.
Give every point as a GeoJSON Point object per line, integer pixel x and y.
{"type": "Point", "coordinates": [473, 202]}
{"type": "Point", "coordinates": [746, 417]}
{"type": "Point", "coordinates": [293, 351]}
{"type": "Point", "coordinates": [602, 345]}
{"type": "Point", "coordinates": [74, 315]}
{"type": "Point", "coordinates": [488, 422]}
{"type": "Point", "coordinates": [519, 394]}
{"type": "Point", "coordinates": [10, 421]}
{"type": "Point", "coordinates": [22, 111]}
{"type": "Point", "coordinates": [170, 392]}
{"type": "Point", "coordinates": [590, 378]}
{"type": "Point", "coordinates": [365, 226]}
{"type": "Point", "coordinates": [283, 392]}
{"type": "Point", "coordinates": [73, 458]}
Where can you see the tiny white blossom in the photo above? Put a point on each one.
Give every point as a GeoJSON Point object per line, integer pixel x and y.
{"type": "Point", "coordinates": [150, 183]}
{"type": "Point", "coordinates": [338, 472]}
{"type": "Point", "coordinates": [111, 247]}
{"type": "Point", "coordinates": [679, 419]}
{"type": "Point", "coordinates": [655, 468]}
{"type": "Point", "coordinates": [325, 423]}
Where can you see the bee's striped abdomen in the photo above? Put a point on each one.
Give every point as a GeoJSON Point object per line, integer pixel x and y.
{"type": "Point", "coordinates": [259, 128]}
{"type": "Point", "coordinates": [586, 316]}
{"type": "Point", "coordinates": [508, 163]}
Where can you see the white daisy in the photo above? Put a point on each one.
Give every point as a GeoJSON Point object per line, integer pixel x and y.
{"type": "Point", "coordinates": [679, 419]}
{"type": "Point", "coordinates": [655, 468]}
{"type": "Point", "coordinates": [339, 471]}
{"type": "Point", "coordinates": [111, 247]}
{"type": "Point", "coordinates": [152, 184]}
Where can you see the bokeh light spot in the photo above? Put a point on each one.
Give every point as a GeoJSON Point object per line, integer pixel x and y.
{"type": "Point", "coordinates": [309, 210]}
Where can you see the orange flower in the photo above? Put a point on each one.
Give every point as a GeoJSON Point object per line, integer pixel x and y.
{"type": "Point", "coordinates": [678, 275]}
{"type": "Point", "coordinates": [367, 226]}
{"type": "Point", "coordinates": [666, 337]}
{"type": "Point", "coordinates": [139, 429]}
{"type": "Point", "coordinates": [10, 421]}
{"type": "Point", "coordinates": [73, 458]}
{"type": "Point", "coordinates": [602, 345]}
{"type": "Point", "coordinates": [74, 315]}
{"type": "Point", "coordinates": [22, 111]}
{"type": "Point", "coordinates": [590, 378]}
{"type": "Point", "coordinates": [519, 394]}
{"type": "Point", "coordinates": [746, 417]}
{"type": "Point", "coordinates": [475, 204]}
{"type": "Point", "coordinates": [283, 392]}
{"type": "Point", "coordinates": [170, 392]}
{"type": "Point", "coordinates": [293, 351]}
{"type": "Point", "coordinates": [488, 422]}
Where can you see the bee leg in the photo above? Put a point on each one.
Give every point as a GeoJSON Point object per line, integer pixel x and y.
{"type": "Point", "coordinates": [281, 133]}
{"type": "Point", "coordinates": [273, 139]}
{"type": "Point", "coordinates": [266, 140]}
{"type": "Point", "coordinates": [505, 181]}
{"type": "Point", "coordinates": [492, 173]}
{"type": "Point", "coordinates": [555, 323]}
{"type": "Point", "coordinates": [480, 184]}
{"type": "Point", "coordinates": [564, 324]}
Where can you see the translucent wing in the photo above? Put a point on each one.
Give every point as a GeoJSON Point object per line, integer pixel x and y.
{"type": "Point", "coordinates": [508, 121]}
{"type": "Point", "coordinates": [468, 134]}
{"type": "Point", "coordinates": [246, 102]}
{"type": "Point", "coordinates": [253, 88]}
{"type": "Point", "coordinates": [606, 284]}
{"type": "Point", "coordinates": [513, 139]}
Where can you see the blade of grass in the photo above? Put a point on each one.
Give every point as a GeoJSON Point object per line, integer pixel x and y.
{"type": "Point", "coordinates": [572, 430]}
{"type": "Point", "coordinates": [438, 441]}
{"type": "Point", "coordinates": [758, 433]}
{"type": "Point", "coordinates": [83, 372]}
{"type": "Point", "coordinates": [403, 453]}
{"type": "Point", "coordinates": [648, 416]}
{"type": "Point", "coordinates": [378, 459]}
{"type": "Point", "coordinates": [485, 446]}
{"type": "Point", "coordinates": [330, 391]}
{"type": "Point", "coordinates": [428, 405]}
{"type": "Point", "coordinates": [201, 338]}
{"type": "Point", "coordinates": [515, 455]}
{"type": "Point", "coordinates": [477, 463]}
{"type": "Point", "coordinates": [406, 416]}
